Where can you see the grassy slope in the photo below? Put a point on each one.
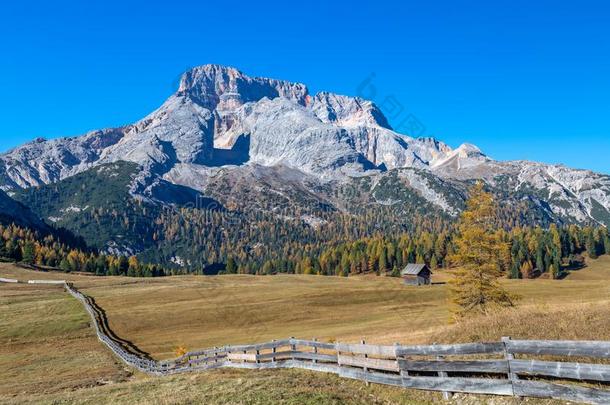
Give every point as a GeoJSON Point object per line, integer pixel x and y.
{"type": "Point", "coordinates": [49, 355]}
{"type": "Point", "coordinates": [239, 309]}
{"type": "Point", "coordinates": [239, 387]}
{"type": "Point", "coordinates": [46, 344]}
{"type": "Point", "coordinates": [197, 312]}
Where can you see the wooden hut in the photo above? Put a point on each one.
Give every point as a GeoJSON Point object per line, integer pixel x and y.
{"type": "Point", "coordinates": [416, 274]}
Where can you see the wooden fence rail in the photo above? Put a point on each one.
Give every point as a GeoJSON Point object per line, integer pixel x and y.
{"type": "Point", "coordinates": [475, 368]}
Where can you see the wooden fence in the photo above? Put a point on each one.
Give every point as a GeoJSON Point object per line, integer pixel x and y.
{"type": "Point", "coordinates": [509, 367]}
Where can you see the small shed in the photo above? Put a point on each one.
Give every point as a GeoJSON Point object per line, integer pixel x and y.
{"type": "Point", "coordinates": [416, 274]}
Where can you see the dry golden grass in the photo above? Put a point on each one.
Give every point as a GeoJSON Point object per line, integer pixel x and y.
{"type": "Point", "coordinates": [598, 269]}
{"type": "Point", "coordinates": [264, 387]}
{"type": "Point", "coordinates": [159, 315]}
{"type": "Point", "coordinates": [589, 321]}
{"type": "Point", "coordinates": [47, 345]}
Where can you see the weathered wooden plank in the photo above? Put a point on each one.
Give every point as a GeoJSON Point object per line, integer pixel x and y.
{"type": "Point", "coordinates": [207, 366]}
{"type": "Point", "coordinates": [277, 355]}
{"type": "Point", "coordinates": [526, 388]}
{"type": "Point", "coordinates": [297, 355]}
{"type": "Point", "coordinates": [578, 371]}
{"type": "Point", "coordinates": [312, 343]}
{"type": "Point", "coordinates": [379, 378]}
{"type": "Point", "coordinates": [459, 384]}
{"type": "Point", "coordinates": [371, 350]}
{"type": "Point", "coordinates": [447, 350]}
{"type": "Point", "coordinates": [205, 352]}
{"type": "Point", "coordinates": [450, 384]}
{"type": "Point", "coordinates": [267, 365]}
{"type": "Point", "coordinates": [325, 368]}
{"type": "Point", "coordinates": [315, 356]}
{"type": "Point", "coordinates": [377, 364]}
{"type": "Point", "coordinates": [560, 348]}
{"type": "Point", "coordinates": [466, 366]}
{"type": "Point", "coordinates": [259, 346]}
{"type": "Point", "coordinates": [207, 359]}
{"type": "Point", "coordinates": [241, 356]}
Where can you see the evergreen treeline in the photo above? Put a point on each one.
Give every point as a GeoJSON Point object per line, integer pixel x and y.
{"type": "Point", "coordinates": [528, 252]}
{"type": "Point", "coordinates": [339, 248]}
{"type": "Point", "coordinates": [30, 247]}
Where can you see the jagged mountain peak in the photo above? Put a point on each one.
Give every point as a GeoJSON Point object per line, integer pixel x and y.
{"type": "Point", "coordinates": [226, 88]}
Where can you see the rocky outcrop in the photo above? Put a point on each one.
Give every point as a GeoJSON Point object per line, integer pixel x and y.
{"type": "Point", "coordinates": [347, 111]}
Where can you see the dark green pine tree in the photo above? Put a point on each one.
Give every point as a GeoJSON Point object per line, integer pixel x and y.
{"type": "Point", "coordinates": [65, 265]}
{"type": "Point", "coordinates": [383, 262]}
{"type": "Point", "coordinates": [123, 265]}
{"type": "Point", "coordinates": [29, 253]}
{"type": "Point", "coordinates": [231, 267]}
{"type": "Point", "coordinates": [3, 250]}
{"type": "Point", "coordinates": [606, 242]}
{"type": "Point", "coordinates": [540, 260]}
{"type": "Point", "coordinates": [590, 245]}
{"type": "Point", "coordinates": [514, 270]}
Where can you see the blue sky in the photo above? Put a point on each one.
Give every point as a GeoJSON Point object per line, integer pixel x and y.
{"type": "Point", "coordinates": [522, 80]}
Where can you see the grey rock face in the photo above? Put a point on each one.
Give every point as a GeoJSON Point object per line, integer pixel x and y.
{"type": "Point", "coordinates": [224, 88]}
{"type": "Point", "coordinates": [179, 131]}
{"type": "Point", "coordinates": [42, 162]}
{"type": "Point", "coordinates": [347, 111]}
{"type": "Point", "coordinates": [221, 118]}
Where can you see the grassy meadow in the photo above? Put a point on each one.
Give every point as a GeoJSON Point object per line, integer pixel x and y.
{"type": "Point", "coordinates": [49, 353]}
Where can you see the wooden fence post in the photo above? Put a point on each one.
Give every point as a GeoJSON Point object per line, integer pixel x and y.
{"type": "Point", "coordinates": [315, 350]}
{"type": "Point", "coordinates": [403, 373]}
{"type": "Point", "coordinates": [338, 353]}
{"type": "Point", "coordinates": [273, 350]}
{"type": "Point", "coordinates": [446, 394]}
{"type": "Point", "coordinates": [366, 357]}
{"type": "Point", "coordinates": [508, 356]}
{"type": "Point", "coordinates": [293, 348]}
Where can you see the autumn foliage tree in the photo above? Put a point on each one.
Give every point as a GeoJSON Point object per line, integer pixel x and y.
{"type": "Point", "coordinates": [478, 252]}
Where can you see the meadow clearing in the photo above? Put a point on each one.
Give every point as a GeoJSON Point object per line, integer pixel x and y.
{"type": "Point", "coordinates": [49, 353]}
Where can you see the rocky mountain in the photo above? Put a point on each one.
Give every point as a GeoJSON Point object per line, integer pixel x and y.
{"type": "Point", "coordinates": [265, 144]}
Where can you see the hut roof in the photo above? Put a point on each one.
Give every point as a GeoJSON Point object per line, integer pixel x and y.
{"type": "Point", "coordinates": [413, 269]}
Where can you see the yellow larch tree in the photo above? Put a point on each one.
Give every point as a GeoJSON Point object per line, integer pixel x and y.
{"type": "Point", "coordinates": [478, 252]}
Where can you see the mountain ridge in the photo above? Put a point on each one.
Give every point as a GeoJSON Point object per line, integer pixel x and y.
{"type": "Point", "coordinates": [221, 122]}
